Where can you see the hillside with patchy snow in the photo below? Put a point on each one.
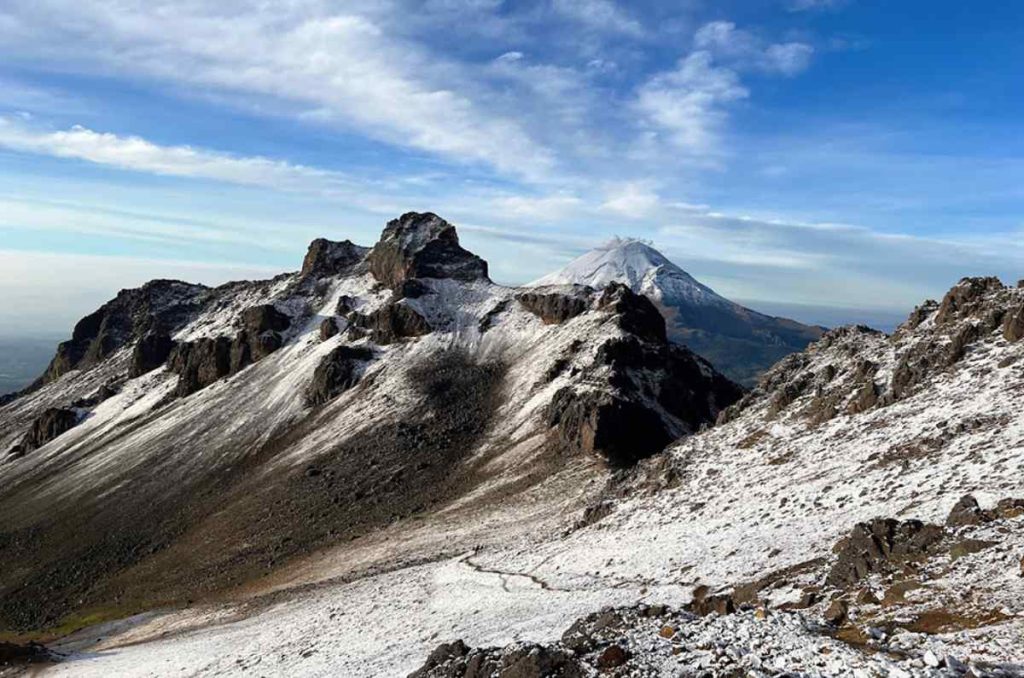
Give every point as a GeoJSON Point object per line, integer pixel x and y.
{"type": "Point", "coordinates": [740, 342]}
{"type": "Point", "coordinates": [471, 486]}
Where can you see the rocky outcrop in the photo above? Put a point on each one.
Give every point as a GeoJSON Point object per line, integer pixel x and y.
{"type": "Point", "coordinates": [200, 363]}
{"type": "Point", "coordinates": [633, 312]}
{"type": "Point", "coordinates": [53, 422]}
{"type": "Point", "coordinates": [855, 370]}
{"type": "Point", "coordinates": [1013, 324]}
{"type": "Point", "coordinates": [650, 394]}
{"type": "Point", "coordinates": [337, 372]}
{"type": "Point", "coordinates": [129, 316]}
{"type": "Point", "coordinates": [422, 246]}
{"type": "Point", "coordinates": [326, 257]}
{"type": "Point", "coordinates": [620, 430]}
{"type": "Point", "coordinates": [260, 335]}
{"type": "Point", "coordinates": [554, 308]}
{"type": "Point", "coordinates": [879, 545]}
{"type": "Point", "coordinates": [456, 660]}
{"type": "Point", "coordinates": [150, 352]}
{"type": "Point", "coordinates": [392, 323]}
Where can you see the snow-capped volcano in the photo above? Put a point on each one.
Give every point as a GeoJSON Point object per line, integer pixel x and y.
{"type": "Point", "coordinates": [644, 269]}
{"type": "Point", "coordinates": [739, 341]}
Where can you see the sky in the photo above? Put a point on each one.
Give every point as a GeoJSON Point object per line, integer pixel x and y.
{"type": "Point", "coordinates": [839, 159]}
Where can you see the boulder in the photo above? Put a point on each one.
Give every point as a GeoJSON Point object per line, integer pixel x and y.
{"type": "Point", "coordinates": [337, 372]}
{"type": "Point", "coordinates": [1013, 324]}
{"type": "Point", "coordinates": [878, 545]}
{"type": "Point", "coordinates": [422, 246]}
{"type": "Point", "coordinates": [200, 363]}
{"type": "Point", "coordinates": [967, 512]}
{"type": "Point", "coordinates": [51, 423]}
{"type": "Point", "coordinates": [345, 305]}
{"type": "Point", "coordinates": [328, 328]}
{"type": "Point", "coordinates": [554, 308]}
{"type": "Point", "coordinates": [326, 257]}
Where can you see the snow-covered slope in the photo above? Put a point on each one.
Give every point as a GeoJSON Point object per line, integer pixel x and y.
{"type": "Point", "coordinates": [741, 342]}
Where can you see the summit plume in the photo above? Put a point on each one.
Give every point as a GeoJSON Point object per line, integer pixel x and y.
{"type": "Point", "coordinates": [741, 342]}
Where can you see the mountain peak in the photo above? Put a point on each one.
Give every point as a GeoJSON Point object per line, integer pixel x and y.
{"type": "Point", "coordinates": [422, 245]}
{"type": "Point", "coordinates": [637, 264]}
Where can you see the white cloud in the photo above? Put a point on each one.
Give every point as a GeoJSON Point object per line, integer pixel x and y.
{"type": "Point", "coordinates": [137, 154]}
{"type": "Point", "coordinates": [633, 200]}
{"type": "Point", "coordinates": [602, 15]}
{"type": "Point", "coordinates": [744, 49]}
{"type": "Point", "coordinates": [508, 57]}
{"type": "Point", "coordinates": [546, 208]}
{"type": "Point", "coordinates": [789, 59]}
{"type": "Point", "coordinates": [688, 102]}
{"type": "Point", "coordinates": [303, 55]}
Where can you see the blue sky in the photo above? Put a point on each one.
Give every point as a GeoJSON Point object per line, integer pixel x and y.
{"type": "Point", "coordinates": [792, 154]}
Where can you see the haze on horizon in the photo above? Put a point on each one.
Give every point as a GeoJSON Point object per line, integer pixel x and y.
{"type": "Point", "coordinates": [839, 157]}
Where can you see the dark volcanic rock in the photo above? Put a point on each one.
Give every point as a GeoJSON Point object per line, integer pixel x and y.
{"type": "Point", "coordinates": [655, 393]}
{"type": "Point", "coordinates": [326, 257]}
{"type": "Point", "coordinates": [392, 322]}
{"type": "Point", "coordinates": [259, 337]}
{"type": "Point", "coordinates": [456, 660]}
{"type": "Point", "coordinates": [338, 371]}
{"type": "Point", "coordinates": [150, 352]}
{"type": "Point", "coordinates": [130, 315]}
{"type": "Point", "coordinates": [422, 246]}
{"type": "Point", "coordinates": [328, 328]}
{"type": "Point", "coordinates": [635, 312]}
{"type": "Point", "coordinates": [345, 305]}
{"type": "Point", "coordinates": [966, 299]}
{"type": "Point", "coordinates": [264, 318]}
{"type": "Point", "coordinates": [967, 512]}
{"type": "Point", "coordinates": [878, 545]}
{"type": "Point", "coordinates": [618, 429]}
{"type": "Point", "coordinates": [1013, 324]}
{"type": "Point", "coordinates": [555, 307]}
{"type": "Point", "coordinates": [47, 426]}
{"type": "Point", "coordinates": [200, 363]}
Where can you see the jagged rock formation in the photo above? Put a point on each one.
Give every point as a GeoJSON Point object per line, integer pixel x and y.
{"type": "Point", "coordinates": [325, 257]}
{"type": "Point", "coordinates": [556, 307]}
{"type": "Point", "coordinates": [877, 544]}
{"type": "Point", "coordinates": [392, 322]}
{"type": "Point", "coordinates": [160, 303]}
{"type": "Point", "coordinates": [856, 369]}
{"type": "Point", "coordinates": [740, 342]}
{"type": "Point", "coordinates": [422, 246]}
